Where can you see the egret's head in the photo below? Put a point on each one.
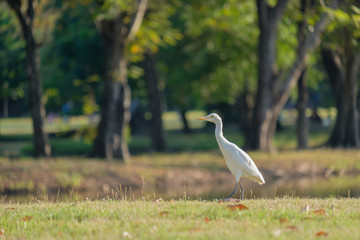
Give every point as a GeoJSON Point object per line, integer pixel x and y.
{"type": "Point", "coordinates": [212, 117]}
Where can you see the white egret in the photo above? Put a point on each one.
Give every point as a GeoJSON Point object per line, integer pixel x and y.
{"type": "Point", "coordinates": [238, 161]}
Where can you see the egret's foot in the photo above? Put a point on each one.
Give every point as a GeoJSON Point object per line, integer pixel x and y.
{"type": "Point", "coordinates": [242, 191]}
{"type": "Point", "coordinates": [233, 191]}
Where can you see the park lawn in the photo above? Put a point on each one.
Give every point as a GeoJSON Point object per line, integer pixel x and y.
{"type": "Point", "coordinates": [279, 218]}
{"type": "Point", "coordinates": [22, 126]}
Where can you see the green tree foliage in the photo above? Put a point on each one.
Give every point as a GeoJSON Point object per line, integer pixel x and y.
{"type": "Point", "coordinates": [341, 58]}
{"type": "Point", "coordinates": [156, 33]}
{"type": "Point", "coordinates": [12, 57]}
{"type": "Point", "coordinates": [73, 61]}
{"type": "Point", "coordinates": [347, 22]}
{"type": "Point", "coordinates": [216, 55]}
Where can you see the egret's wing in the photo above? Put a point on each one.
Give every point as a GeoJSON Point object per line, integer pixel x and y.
{"type": "Point", "coordinates": [244, 162]}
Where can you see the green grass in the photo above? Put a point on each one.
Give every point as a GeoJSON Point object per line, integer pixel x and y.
{"type": "Point", "coordinates": [279, 218]}
{"type": "Point", "coordinates": [21, 126]}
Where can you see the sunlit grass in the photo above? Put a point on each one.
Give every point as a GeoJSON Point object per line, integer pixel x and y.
{"type": "Point", "coordinates": [22, 126]}
{"type": "Point", "coordinates": [279, 218]}
{"type": "Point", "coordinates": [172, 120]}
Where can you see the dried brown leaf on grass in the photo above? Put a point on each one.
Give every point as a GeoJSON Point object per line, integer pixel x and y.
{"type": "Point", "coordinates": [283, 220]}
{"type": "Point", "coordinates": [292, 228]}
{"type": "Point", "coordinates": [319, 212]}
{"type": "Point", "coordinates": [321, 233]}
{"type": "Point", "coordinates": [162, 213]}
{"type": "Point", "coordinates": [26, 218]}
{"type": "Point", "coordinates": [237, 207]}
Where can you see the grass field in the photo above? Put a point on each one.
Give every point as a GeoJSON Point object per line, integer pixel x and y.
{"type": "Point", "coordinates": [22, 126]}
{"type": "Point", "coordinates": [279, 218]}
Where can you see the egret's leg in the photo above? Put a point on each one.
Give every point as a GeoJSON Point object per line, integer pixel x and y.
{"type": "Point", "coordinates": [233, 191]}
{"type": "Point", "coordinates": [242, 191]}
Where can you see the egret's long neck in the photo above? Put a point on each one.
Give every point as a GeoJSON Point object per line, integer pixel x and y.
{"type": "Point", "coordinates": [219, 131]}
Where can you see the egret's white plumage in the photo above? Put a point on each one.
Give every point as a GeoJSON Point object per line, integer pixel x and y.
{"type": "Point", "coordinates": [238, 161]}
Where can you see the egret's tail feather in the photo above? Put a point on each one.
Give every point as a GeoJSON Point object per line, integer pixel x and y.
{"type": "Point", "coordinates": [261, 180]}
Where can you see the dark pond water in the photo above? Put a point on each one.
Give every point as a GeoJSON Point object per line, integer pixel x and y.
{"type": "Point", "coordinates": [348, 186]}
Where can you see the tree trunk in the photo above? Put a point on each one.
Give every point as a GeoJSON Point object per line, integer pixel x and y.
{"type": "Point", "coordinates": [110, 142]}
{"type": "Point", "coordinates": [117, 30]}
{"type": "Point", "coordinates": [154, 97]}
{"type": "Point", "coordinates": [263, 120]}
{"type": "Point", "coordinates": [302, 120]}
{"type": "Point", "coordinates": [186, 127]}
{"type": "Point", "coordinates": [343, 81]}
{"type": "Point", "coordinates": [333, 67]}
{"type": "Point", "coordinates": [6, 106]}
{"type": "Point", "coordinates": [37, 108]}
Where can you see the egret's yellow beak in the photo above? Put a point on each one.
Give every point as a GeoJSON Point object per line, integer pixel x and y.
{"type": "Point", "coordinates": [204, 118]}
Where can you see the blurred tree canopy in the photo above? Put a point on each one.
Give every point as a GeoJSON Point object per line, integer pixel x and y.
{"type": "Point", "coordinates": [72, 62]}
{"type": "Point", "coordinates": [240, 58]}
{"type": "Point", "coordinates": [341, 58]}
{"type": "Point", "coordinates": [12, 58]}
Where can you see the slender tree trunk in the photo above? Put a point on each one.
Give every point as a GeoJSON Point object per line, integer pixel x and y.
{"type": "Point", "coordinates": [157, 133]}
{"type": "Point", "coordinates": [333, 67]}
{"type": "Point", "coordinates": [302, 120]}
{"type": "Point", "coordinates": [6, 106]}
{"type": "Point", "coordinates": [37, 108]}
{"type": "Point", "coordinates": [110, 142]}
{"type": "Point", "coordinates": [186, 127]}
